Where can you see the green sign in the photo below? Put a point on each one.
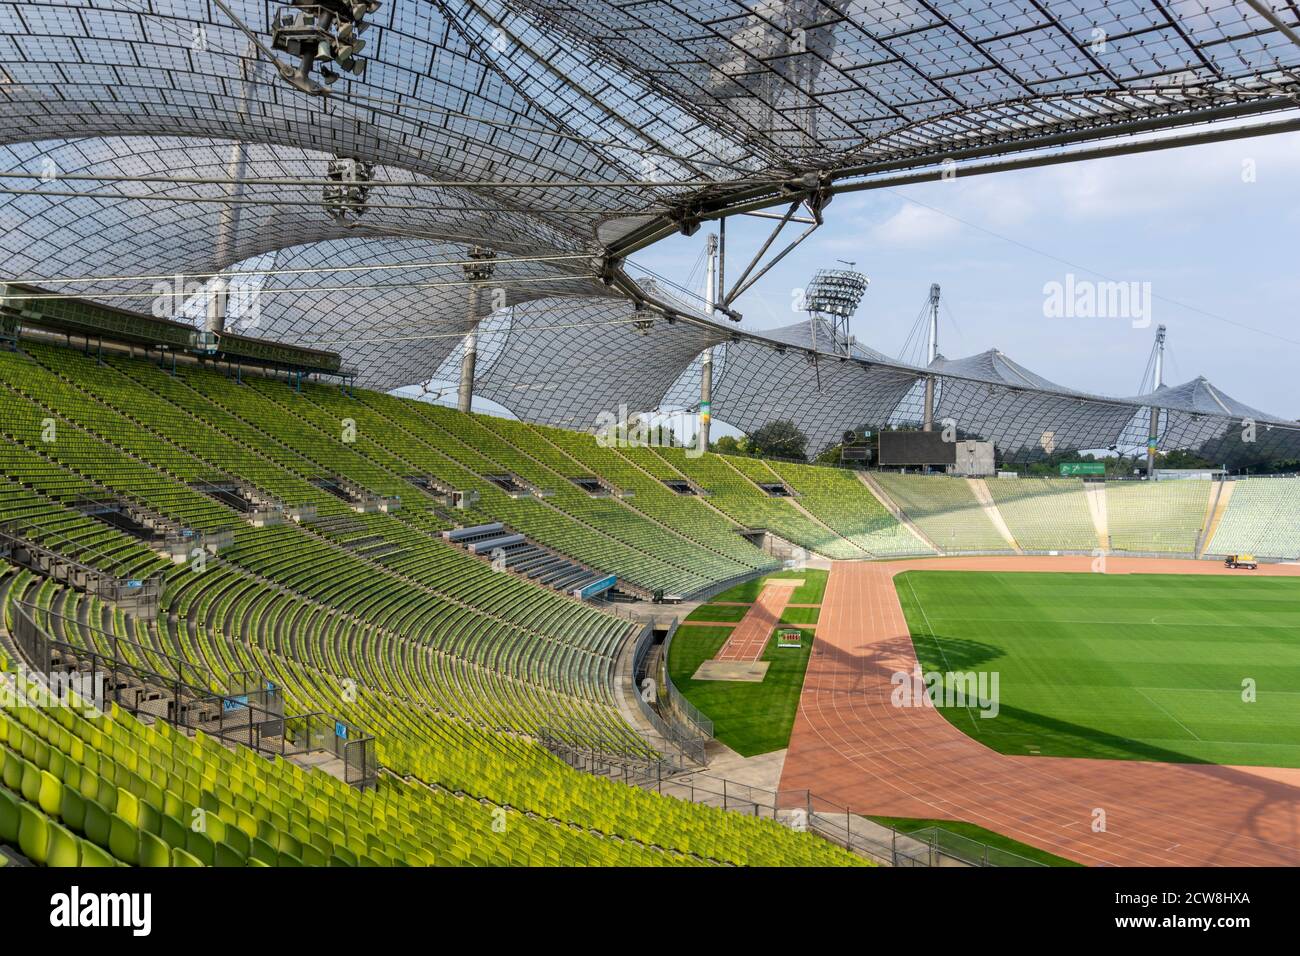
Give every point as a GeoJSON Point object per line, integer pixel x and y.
{"type": "Point", "coordinates": [1074, 469]}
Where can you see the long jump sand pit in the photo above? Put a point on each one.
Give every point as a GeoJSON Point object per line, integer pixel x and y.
{"type": "Point", "coordinates": [853, 747]}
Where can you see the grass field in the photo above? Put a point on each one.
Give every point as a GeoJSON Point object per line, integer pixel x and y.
{"type": "Point", "coordinates": [749, 718]}
{"type": "Point", "coordinates": [1138, 667]}
{"type": "Point", "coordinates": [723, 613]}
{"type": "Point", "coordinates": [810, 592]}
{"type": "Point", "coordinates": [976, 834]}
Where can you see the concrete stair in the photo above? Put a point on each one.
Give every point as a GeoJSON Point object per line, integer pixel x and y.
{"type": "Point", "coordinates": [888, 504]}
{"type": "Point", "coordinates": [985, 498]}
{"type": "Point", "coordinates": [1095, 493]}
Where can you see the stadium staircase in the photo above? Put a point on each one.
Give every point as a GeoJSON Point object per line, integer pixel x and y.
{"type": "Point", "coordinates": [1219, 502]}
{"type": "Point", "coordinates": [732, 484]}
{"type": "Point", "coordinates": [1096, 495]}
{"type": "Point", "coordinates": [1045, 514]}
{"type": "Point", "coordinates": [985, 499]}
{"type": "Point", "coordinates": [946, 509]}
{"type": "Point", "coordinates": [815, 490]}
{"type": "Point", "coordinates": [868, 479]}
{"type": "Point", "coordinates": [835, 497]}
{"type": "Point", "coordinates": [520, 555]}
{"type": "Point", "coordinates": [1157, 517]}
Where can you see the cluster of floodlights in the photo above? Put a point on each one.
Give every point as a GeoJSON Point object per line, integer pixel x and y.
{"type": "Point", "coordinates": [835, 292]}
{"type": "Point", "coordinates": [322, 32]}
{"type": "Point", "coordinates": [347, 188]}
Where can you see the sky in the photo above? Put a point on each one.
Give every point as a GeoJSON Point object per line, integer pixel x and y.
{"type": "Point", "coordinates": [1214, 230]}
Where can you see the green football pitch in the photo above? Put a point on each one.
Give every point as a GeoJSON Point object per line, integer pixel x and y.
{"type": "Point", "coordinates": [1177, 668]}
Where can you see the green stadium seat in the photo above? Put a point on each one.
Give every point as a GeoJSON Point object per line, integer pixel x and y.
{"type": "Point", "coordinates": [93, 856]}
{"type": "Point", "coordinates": [182, 858]}
{"type": "Point", "coordinates": [226, 856]}
{"type": "Point", "coordinates": [99, 824]}
{"type": "Point", "coordinates": [154, 851]}
{"type": "Point", "coordinates": [200, 846]}
{"type": "Point", "coordinates": [72, 809]}
{"type": "Point", "coordinates": [124, 840]}
{"type": "Point", "coordinates": [10, 817]}
{"type": "Point", "coordinates": [33, 833]}
{"type": "Point", "coordinates": [64, 848]}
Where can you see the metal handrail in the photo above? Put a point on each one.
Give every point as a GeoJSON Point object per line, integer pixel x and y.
{"type": "Point", "coordinates": [254, 718]}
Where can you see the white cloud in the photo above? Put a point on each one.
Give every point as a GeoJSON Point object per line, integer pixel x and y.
{"type": "Point", "coordinates": [915, 224]}
{"type": "Point", "coordinates": [1177, 181]}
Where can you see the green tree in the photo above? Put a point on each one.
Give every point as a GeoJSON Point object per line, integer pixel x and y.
{"type": "Point", "coordinates": [1181, 458]}
{"type": "Point", "coordinates": [779, 439]}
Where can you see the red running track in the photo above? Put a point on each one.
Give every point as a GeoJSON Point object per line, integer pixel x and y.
{"type": "Point", "coordinates": [851, 746]}
{"type": "Point", "coordinates": [749, 638]}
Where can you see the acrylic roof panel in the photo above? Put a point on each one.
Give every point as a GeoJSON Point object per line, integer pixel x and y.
{"type": "Point", "coordinates": [711, 90]}
{"type": "Point", "coordinates": [547, 131]}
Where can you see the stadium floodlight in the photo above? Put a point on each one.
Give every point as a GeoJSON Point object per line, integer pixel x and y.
{"type": "Point", "coordinates": [321, 32]}
{"type": "Point", "coordinates": [834, 294]}
{"type": "Point", "coordinates": [347, 189]}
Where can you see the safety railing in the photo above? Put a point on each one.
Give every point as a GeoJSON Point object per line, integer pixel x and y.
{"type": "Point", "coordinates": [20, 544]}
{"type": "Point", "coordinates": [605, 758]}
{"type": "Point", "coordinates": [248, 710]}
{"type": "Point", "coordinates": [673, 700]}
{"type": "Point", "coordinates": [803, 810]}
{"type": "Point", "coordinates": [685, 737]}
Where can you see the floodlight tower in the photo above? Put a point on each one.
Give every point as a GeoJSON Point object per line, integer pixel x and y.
{"type": "Point", "coordinates": [230, 213]}
{"type": "Point", "coordinates": [931, 353]}
{"type": "Point", "coordinates": [833, 296]}
{"type": "Point", "coordinates": [1157, 380]}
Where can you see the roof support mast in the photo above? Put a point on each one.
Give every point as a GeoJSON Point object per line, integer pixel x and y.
{"type": "Point", "coordinates": [711, 283]}
{"type": "Point", "coordinates": [228, 223]}
{"type": "Point", "coordinates": [1159, 380]}
{"type": "Point", "coordinates": [475, 275]}
{"type": "Point", "coordinates": [931, 353]}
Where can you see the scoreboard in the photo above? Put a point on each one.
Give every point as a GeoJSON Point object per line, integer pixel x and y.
{"type": "Point", "coordinates": [916, 448]}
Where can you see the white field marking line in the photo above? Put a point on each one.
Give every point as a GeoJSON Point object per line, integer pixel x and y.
{"type": "Point", "coordinates": [935, 637]}
{"type": "Point", "coordinates": [1169, 715]}
{"type": "Point", "coordinates": [1065, 620]}
{"type": "Point", "coordinates": [1293, 627]}
{"type": "Point", "coordinates": [1212, 690]}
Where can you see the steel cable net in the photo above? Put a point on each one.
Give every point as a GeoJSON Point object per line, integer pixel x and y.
{"type": "Point", "coordinates": [448, 93]}
{"type": "Point", "coordinates": [987, 396]}
{"type": "Point", "coordinates": [541, 130]}
{"type": "Point", "coordinates": [710, 93]}
{"type": "Point", "coordinates": [570, 362]}
{"type": "Point", "coordinates": [205, 227]}
{"type": "Point", "coordinates": [393, 327]}
{"type": "Point", "coordinates": [840, 81]}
